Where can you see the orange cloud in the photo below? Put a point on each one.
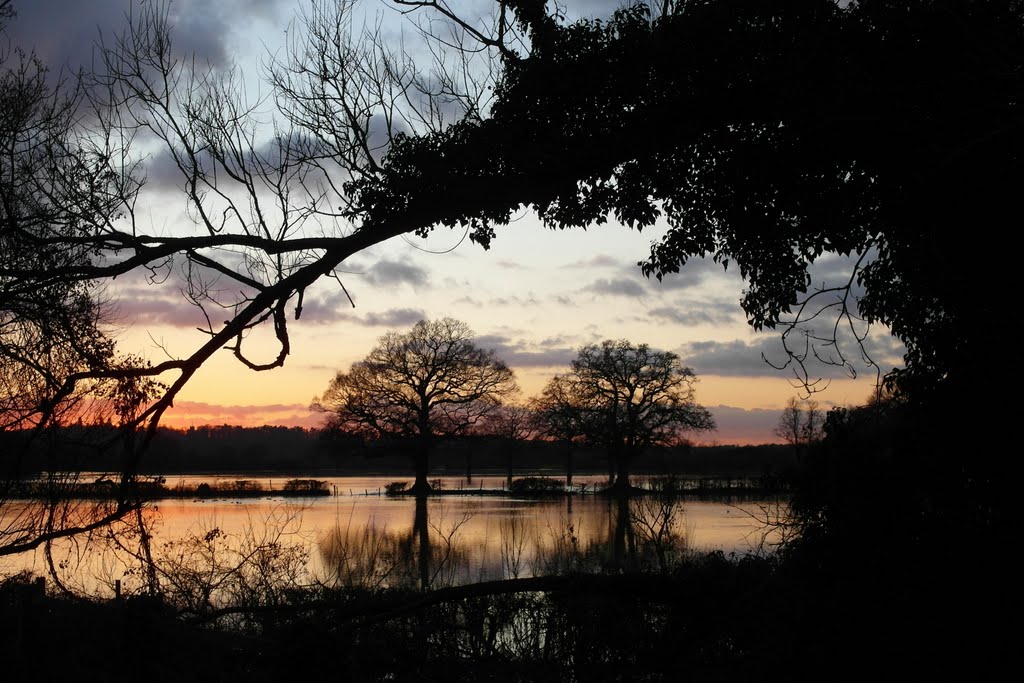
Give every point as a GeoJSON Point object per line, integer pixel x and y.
{"type": "Point", "coordinates": [197, 414]}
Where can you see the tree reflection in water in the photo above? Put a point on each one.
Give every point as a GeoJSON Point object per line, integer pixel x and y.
{"type": "Point", "coordinates": [644, 533]}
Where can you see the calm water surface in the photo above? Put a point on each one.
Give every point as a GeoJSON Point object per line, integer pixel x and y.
{"type": "Point", "coordinates": [469, 537]}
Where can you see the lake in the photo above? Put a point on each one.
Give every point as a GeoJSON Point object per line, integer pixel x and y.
{"type": "Point", "coordinates": [360, 537]}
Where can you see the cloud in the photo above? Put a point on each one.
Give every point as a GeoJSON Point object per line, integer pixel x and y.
{"type": "Point", "coordinates": [738, 358]}
{"type": "Point", "coordinates": [628, 280]}
{"type": "Point", "coordinates": [738, 426]}
{"type": "Point", "coordinates": [390, 273]}
{"type": "Point", "coordinates": [599, 261]}
{"type": "Point", "coordinates": [735, 358]}
{"type": "Point", "coordinates": [63, 32]}
{"type": "Point", "coordinates": [334, 307]}
{"type": "Point", "coordinates": [197, 414]}
{"type": "Point", "coordinates": [156, 306]}
{"type": "Point", "coordinates": [697, 313]}
{"type": "Point", "coordinates": [832, 269]}
{"type": "Point", "coordinates": [553, 352]}
{"type": "Point", "coordinates": [395, 317]}
{"type": "Point", "coordinates": [616, 287]}
{"type": "Point", "coordinates": [590, 9]}
{"type": "Point", "coordinates": [696, 272]}
{"type": "Point", "coordinates": [530, 302]}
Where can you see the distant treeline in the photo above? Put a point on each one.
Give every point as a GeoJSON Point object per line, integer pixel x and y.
{"type": "Point", "coordinates": [294, 449]}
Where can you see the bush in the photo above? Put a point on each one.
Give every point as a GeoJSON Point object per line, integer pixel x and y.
{"type": "Point", "coordinates": [396, 488]}
{"type": "Point", "coordinates": [241, 486]}
{"type": "Point", "coordinates": [307, 487]}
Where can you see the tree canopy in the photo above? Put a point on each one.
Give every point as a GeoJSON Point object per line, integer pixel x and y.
{"type": "Point", "coordinates": [625, 398]}
{"type": "Point", "coordinates": [767, 135]}
{"type": "Point", "coordinates": [428, 382]}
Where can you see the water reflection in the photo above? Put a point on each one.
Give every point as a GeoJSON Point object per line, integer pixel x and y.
{"type": "Point", "coordinates": [447, 541]}
{"type": "Point", "coordinates": [372, 541]}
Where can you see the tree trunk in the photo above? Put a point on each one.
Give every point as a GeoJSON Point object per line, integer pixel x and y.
{"type": "Point", "coordinates": [623, 553]}
{"type": "Point", "coordinates": [421, 535]}
{"type": "Point", "coordinates": [421, 462]}
{"type": "Point", "coordinates": [622, 465]}
{"type": "Point", "coordinates": [568, 465]}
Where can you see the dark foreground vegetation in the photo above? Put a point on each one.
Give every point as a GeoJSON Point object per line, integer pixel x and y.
{"type": "Point", "coordinates": [836, 605]}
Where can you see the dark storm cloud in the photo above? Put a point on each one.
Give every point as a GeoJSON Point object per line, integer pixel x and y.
{"type": "Point", "coordinates": [64, 32]}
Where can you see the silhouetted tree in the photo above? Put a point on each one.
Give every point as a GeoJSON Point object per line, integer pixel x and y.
{"type": "Point", "coordinates": [556, 416]}
{"type": "Point", "coordinates": [800, 423]}
{"type": "Point", "coordinates": [512, 423]}
{"type": "Point", "coordinates": [627, 399]}
{"type": "Point", "coordinates": [432, 381]}
{"type": "Point", "coordinates": [58, 365]}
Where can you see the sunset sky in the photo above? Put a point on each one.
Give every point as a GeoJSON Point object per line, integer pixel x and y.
{"type": "Point", "coordinates": [535, 297]}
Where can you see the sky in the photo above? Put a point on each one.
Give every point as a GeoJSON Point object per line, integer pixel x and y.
{"type": "Point", "coordinates": [534, 297]}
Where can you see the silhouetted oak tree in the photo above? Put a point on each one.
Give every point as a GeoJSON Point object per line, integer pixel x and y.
{"type": "Point", "coordinates": [429, 382]}
{"type": "Point", "coordinates": [626, 398]}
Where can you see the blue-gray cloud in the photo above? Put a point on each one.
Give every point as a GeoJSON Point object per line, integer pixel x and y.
{"type": "Point", "coordinates": [156, 306]}
{"type": "Point", "coordinates": [390, 273]}
{"type": "Point", "coordinates": [395, 317]}
{"type": "Point", "coordinates": [766, 357]}
{"type": "Point", "coordinates": [696, 272]}
{"type": "Point", "coordinates": [63, 33]}
{"type": "Point", "coordinates": [517, 353]}
{"type": "Point", "coordinates": [697, 313]}
{"type": "Point", "coordinates": [616, 287]}
{"type": "Point", "coordinates": [335, 307]}
{"type": "Point", "coordinates": [595, 262]}
{"type": "Point", "coordinates": [735, 358]}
